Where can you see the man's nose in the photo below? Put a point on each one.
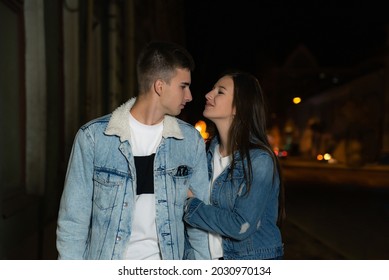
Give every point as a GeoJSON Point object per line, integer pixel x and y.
{"type": "Point", "coordinates": [188, 96]}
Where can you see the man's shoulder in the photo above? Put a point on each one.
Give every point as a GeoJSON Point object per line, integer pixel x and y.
{"type": "Point", "coordinates": [100, 121]}
{"type": "Point", "coordinates": [187, 127]}
{"type": "Point", "coordinates": [182, 122]}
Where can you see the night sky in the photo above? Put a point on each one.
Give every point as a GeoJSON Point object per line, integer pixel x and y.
{"type": "Point", "coordinates": [254, 35]}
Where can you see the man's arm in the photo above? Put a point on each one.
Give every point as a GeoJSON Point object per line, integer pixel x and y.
{"type": "Point", "coordinates": [199, 185]}
{"type": "Point", "coordinates": [76, 201]}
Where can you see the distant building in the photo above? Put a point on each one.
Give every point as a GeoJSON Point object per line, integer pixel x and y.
{"type": "Point", "coordinates": [343, 110]}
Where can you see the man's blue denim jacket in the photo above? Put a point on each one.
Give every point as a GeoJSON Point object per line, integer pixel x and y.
{"type": "Point", "coordinates": [246, 222]}
{"type": "Point", "coordinates": [95, 212]}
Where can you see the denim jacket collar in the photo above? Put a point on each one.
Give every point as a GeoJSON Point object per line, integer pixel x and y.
{"type": "Point", "coordinates": [211, 150]}
{"type": "Point", "coordinates": [118, 124]}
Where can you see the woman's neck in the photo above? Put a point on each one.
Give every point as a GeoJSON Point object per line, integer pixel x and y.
{"type": "Point", "coordinates": [223, 137]}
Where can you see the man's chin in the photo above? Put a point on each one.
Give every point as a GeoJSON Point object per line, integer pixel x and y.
{"type": "Point", "coordinates": [174, 114]}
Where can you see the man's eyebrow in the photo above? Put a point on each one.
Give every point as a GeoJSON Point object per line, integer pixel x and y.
{"type": "Point", "coordinates": [185, 84]}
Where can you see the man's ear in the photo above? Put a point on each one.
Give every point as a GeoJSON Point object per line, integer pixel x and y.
{"type": "Point", "coordinates": [158, 86]}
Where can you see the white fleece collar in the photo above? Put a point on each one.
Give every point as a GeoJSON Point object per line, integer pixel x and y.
{"type": "Point", "coordinates": [118, 124]}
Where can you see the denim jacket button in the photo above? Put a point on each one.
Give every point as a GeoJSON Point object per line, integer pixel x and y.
{"type": "Point", "coordinates": [125, 204]}
{"type": "Point", "coordinates": [118, 238]}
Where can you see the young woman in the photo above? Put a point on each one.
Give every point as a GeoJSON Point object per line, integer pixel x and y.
{"type": "Point", "coordinates": [246, 203]}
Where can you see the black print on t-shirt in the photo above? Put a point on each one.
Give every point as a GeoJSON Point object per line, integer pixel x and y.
{"type": "Point", "coordinates": [144, 166]}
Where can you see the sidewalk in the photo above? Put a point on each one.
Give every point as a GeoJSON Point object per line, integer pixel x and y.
{"type": "Point", "coordinates": [299, 245]}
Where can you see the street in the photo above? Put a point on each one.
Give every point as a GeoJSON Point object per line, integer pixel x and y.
{"type": "Point", "coordinates": [335, 221]}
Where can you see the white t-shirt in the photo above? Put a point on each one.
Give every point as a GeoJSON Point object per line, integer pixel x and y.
{"type": "Point", "coordinates": [143, 243]}
{"type": "Point", "coordinates": [219, 164]}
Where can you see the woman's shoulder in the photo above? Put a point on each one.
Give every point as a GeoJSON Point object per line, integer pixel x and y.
{"type": "Point", "coordinates": [260, 155]}
{"type": "Point", "coordinates": [259, 151]}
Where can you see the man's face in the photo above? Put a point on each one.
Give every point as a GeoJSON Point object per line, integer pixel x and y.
{"type": "Point", "coordinates": [176, 93]}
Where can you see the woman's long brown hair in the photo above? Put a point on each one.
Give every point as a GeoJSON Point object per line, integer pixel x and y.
{"type": "Point", "coordinates": [249, 129]}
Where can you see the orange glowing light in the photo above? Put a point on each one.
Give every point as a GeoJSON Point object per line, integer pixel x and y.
{"type": "Point", "coordinates": [319, 157]}
{"type": "Point", "coordinates": [201, 126]}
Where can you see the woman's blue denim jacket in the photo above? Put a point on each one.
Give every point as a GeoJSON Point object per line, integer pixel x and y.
{"type": "Point", "coordinates": [246, 222]}
{"type": "Point", "coordinates": [95, 214]}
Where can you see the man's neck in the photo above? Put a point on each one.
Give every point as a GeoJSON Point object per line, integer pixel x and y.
{"type": "Point", "coordinates": [146, 111]}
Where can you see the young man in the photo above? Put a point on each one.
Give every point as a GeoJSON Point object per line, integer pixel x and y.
{"type": "Point", "coordinates": [129, 172]}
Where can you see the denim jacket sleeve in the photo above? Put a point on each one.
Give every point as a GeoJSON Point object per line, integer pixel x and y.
{"type": "Point", "coordinates": [76, 201]}
{"type": "Point", "coordinates": [248, 210]}
{"type": "Point", "coordinates": [199, 185]}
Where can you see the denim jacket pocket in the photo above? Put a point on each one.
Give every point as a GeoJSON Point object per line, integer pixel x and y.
{"type": "Point", "coordinates": [180, 177]}
{"type": "Point", "coordinates": [106, 185]}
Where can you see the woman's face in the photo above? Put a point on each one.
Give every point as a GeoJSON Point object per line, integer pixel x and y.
{"type": "Point", "coordinates": [219, 100]}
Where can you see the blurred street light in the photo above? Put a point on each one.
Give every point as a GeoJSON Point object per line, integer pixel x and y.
{"type": "Point", "coordinates": [296, 100]}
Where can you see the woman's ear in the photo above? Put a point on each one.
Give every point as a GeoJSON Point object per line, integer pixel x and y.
{"type": "Point", "coordinates": [233, 111]}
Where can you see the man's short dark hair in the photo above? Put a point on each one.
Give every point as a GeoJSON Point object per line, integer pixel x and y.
{"type": "Point", "coordinates": [159, 60]}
